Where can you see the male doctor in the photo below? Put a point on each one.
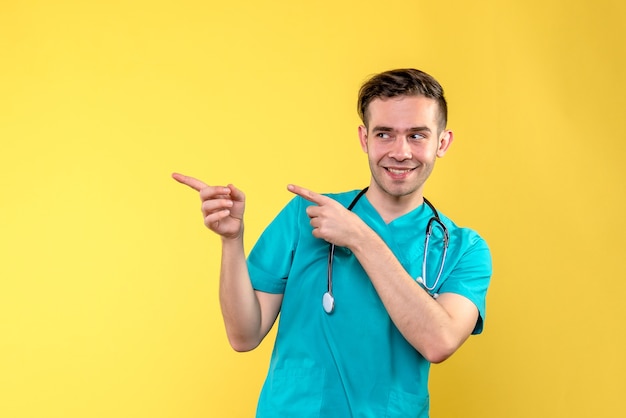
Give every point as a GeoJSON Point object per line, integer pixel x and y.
{"type": "Point", "coordinates": [358, 330]}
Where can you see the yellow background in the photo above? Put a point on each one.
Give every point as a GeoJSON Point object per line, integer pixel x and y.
{"type": "Point", "coordinates": [108, 294]}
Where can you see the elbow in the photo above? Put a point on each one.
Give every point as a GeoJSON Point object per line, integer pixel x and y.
{"type": "Point", "coordinates": [437, 357]}
{"type": "Point", "coordinates": [242, 348]}
{"type": "Point", "coordinates": [439, 351]}
{"type": "Point", "coordinates": [242, 345]}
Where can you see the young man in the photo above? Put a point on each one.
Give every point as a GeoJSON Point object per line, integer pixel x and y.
{"type": "Point", "coordinates": [368, 293]}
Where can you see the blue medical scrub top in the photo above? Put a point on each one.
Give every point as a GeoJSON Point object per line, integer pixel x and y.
{"type": "Point", "coordinates": [353, 362]}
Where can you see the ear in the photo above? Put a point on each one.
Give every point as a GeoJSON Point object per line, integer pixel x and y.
{"type": "Point", "coordinates": [363, 137]}
{"type": "Point", "coordinates": [445, 140]}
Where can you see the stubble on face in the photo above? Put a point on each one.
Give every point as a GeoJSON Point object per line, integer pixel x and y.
{"type": "Point", "coordinates": [400, 189]}
{"type": "Point", "coordinates": [401, 117]}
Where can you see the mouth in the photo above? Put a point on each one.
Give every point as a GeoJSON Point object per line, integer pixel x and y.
{"type": "Point", "coordinates": [399, 173]}
{"type": "Point", "coordinates": [399, 170]}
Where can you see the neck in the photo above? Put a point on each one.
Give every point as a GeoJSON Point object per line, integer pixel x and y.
{"type": "Point", "coordinates": [390, 207]}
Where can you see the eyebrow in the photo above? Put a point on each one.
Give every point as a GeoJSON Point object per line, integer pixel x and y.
{"type": "Point", "coordinates": [381, 129]}
{"type": "Point", "coordinates": [412, 129]}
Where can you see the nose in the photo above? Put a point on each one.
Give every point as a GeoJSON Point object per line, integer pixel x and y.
{"type": "Point", "coordinates": [400, 150]}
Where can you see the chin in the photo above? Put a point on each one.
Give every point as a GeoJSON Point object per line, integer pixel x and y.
{"type": "Point", "coordinates": [400, 192]}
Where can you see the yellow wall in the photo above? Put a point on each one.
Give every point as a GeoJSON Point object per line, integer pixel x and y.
{"type": "Point", "coordinates": [108, 302]}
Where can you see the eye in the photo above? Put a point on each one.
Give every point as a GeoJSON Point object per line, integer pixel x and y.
{"type": "Point", "coordinates": [416, 137]}
{"type": "Point", "coordinates": [382, 135]}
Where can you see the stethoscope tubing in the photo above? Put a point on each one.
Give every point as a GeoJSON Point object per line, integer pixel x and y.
{"type": "Point", "coordinates": [328, 299]}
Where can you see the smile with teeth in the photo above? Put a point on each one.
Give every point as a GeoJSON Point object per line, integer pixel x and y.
{"type": "Point", "coordinates": [399, 171]}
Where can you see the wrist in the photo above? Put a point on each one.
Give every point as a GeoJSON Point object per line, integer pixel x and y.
{"type": "Point", "coordinates": [364, 236]}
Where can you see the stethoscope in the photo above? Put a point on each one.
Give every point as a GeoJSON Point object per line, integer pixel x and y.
{"type": "Point", "coordinates": [328, 300]}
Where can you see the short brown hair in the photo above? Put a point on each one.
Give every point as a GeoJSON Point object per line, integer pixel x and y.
{"type": "Point", "coordinates": [402, 82]}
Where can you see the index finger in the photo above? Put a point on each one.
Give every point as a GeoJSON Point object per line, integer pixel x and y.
{"type": "Point", "coordinates": [192, 182]}
{"type": "Point", "coordinates": [307, 194]}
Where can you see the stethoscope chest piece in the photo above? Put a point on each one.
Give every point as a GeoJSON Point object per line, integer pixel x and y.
{"type": "Point", "coordinates": [328, 302]}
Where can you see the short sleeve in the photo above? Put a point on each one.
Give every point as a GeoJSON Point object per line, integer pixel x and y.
{"type": "Point", "coordinates": [270, 260]}
{"type": "Point", "coordinates": [471, 276]}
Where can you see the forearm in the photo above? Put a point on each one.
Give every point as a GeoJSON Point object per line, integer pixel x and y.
{"type": "Point", "coordinates": [240, 307]}
{"type": "Point", "coordinates": [436, 328]}
{"type": "Point", "coordinates": [424, 322]}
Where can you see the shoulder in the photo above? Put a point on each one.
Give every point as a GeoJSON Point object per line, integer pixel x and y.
{"type": "Point", "coordinates": [468, 236]}
{"type": "Point", "coordinates": [468, 247]}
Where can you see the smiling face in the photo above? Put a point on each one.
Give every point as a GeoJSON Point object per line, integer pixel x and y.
{"type": "Point", "coordinates": [402, 140]}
